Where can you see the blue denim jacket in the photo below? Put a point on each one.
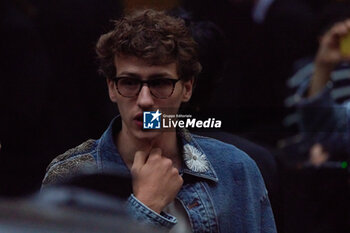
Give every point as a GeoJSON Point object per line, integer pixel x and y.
{"type": "Point", "coordinates": [229, 196]}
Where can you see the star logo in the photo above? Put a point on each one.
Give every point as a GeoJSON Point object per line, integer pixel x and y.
{"type": "Point", "coordinates": [156, 115]}
{"type": "Point", "coordinates": [151, 120]}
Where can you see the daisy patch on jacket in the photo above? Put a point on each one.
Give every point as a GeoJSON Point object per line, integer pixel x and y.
{"type": "Point", "coordinates": [195, 159]}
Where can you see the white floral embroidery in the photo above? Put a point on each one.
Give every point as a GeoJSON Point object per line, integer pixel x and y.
{"type": "Point", "coordinates": [194, 159]}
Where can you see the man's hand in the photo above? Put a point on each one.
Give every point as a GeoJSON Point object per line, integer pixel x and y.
{"type": "Point", "coordinates": [328, 56]}
{"type": "Point", "coordinates": [318, 155]}
{"type": "Point", "coordinates": [156, 181]}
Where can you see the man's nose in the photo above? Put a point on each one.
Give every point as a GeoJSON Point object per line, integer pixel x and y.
{"type": "Point", "coordinates": [145, 98]}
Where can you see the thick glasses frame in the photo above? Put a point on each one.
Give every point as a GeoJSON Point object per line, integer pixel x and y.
{"type": "Point", "coordinates": [147, 82]}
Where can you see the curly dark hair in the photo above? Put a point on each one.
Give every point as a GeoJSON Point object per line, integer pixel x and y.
{"type": "Point", "coordinates": [153, 36]}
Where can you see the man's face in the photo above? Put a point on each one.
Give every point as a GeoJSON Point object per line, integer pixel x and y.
{"type": "Point", "coordinates": [131, 108]}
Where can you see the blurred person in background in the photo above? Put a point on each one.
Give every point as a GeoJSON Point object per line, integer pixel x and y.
{"type": "Point", "coordinates": [322, 99]}
{"type": "Point", "coordinates": [315, 161]}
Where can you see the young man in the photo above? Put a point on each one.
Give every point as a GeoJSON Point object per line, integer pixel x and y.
{"type": "Point", "coordinates": [181, 182]}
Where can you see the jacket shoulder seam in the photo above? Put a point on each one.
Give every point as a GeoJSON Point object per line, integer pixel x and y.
{"type": "Point", "coordinates": [81, 149]}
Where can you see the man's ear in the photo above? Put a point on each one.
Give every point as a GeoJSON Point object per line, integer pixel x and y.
{"type": "Point", "coordinates": [112, 90]}
{"type": "Point", "coordinates": [187, 91]}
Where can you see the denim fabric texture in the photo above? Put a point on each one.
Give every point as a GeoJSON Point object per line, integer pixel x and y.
{"type": "Point", "coordinates": [228, 196]}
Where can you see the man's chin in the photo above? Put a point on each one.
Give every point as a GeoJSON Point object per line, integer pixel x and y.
{"type": "Point", "coordinates": [148, 135]}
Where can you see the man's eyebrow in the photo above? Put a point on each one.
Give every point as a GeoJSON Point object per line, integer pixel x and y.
{"type": "Point", "coordinates": [129, 74]}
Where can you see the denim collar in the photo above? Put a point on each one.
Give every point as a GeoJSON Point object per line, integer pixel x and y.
{"type": "Point", "coordinates": [109, 159]}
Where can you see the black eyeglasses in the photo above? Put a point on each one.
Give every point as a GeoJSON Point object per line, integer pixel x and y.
{"type": "Point", "coordinates": [160, 88]}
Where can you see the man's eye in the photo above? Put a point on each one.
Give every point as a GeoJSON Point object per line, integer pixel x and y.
{"type": "Point", "coordinates": [160, 82]}
{"type": "Point", "coordinates": [129, 82]}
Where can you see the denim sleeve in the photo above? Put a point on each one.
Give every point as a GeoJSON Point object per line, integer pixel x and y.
{"type": "Point", "coordinates": [267, 219]}
{"type": "Point", "coordinates": [259, 212]}
{"type": "Point", "coordinates": [142, 213]}
{"type": "Point", "coordinates": [322, 120]}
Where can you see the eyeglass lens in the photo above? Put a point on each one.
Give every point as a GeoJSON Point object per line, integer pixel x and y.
{"type": "Point", "coordinates": [160, 88]}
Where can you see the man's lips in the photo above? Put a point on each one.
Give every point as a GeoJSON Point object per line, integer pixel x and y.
{"type": "Point", "coordinates": [138, 120]}
{"type": "Point", "coordinates": [138, 117]}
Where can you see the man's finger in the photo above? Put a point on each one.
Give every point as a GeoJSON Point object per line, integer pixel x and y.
{"type": "Point", "coordinates": [347, 22]}
{"type": "Point", "coordinates": [139, 159]}
{"type": "Point", "coordinates": [155, 152]}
